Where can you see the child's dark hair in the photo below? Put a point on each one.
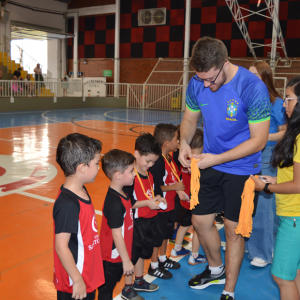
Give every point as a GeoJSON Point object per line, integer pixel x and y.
{"type": "Point", "coordinates": [197, 141]}
{"type": "Point", "coordinates": [76, 149]}
{"type": "Point", "coordinates": [164, 132]}
{"type": "Point", "coordinates": [146, 143]}
{"type": "Point", "coordinates": [116, 161]}
{"type": "Point", "coordinates": [284, 151]}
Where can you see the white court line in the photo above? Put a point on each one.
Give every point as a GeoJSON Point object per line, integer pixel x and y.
{"type": "Point", "coordinates": [135, 121]}
{"type": "Point", "coordinates": [98, 212]}
{"type": "Point", "coordinates": [19, 141]}
{"type": "Point", "coordinates": [43, 115]}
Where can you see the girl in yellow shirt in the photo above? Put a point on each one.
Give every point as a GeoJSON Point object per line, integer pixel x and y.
{"type": "Point", "coordinates": [286, 186]}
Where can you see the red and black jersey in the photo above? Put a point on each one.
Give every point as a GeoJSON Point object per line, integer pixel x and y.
{"type": "Point", "coordinates": [117, 212]}
{"type": "Point", "coordinates": [76, 216]}
{"type": "Point", "coordinates": [163, 175]}
{"type": "Point", "coordinates": [136, 193]}
{"type": "Point", "coordinates": [186, 179]}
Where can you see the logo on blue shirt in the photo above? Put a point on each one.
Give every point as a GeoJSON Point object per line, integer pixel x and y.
{"type": "Point", "coordinates": [232, 107]}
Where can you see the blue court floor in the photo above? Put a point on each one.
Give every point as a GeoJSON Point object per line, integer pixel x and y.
{"type": "Point", "coordinates": [253, 283]}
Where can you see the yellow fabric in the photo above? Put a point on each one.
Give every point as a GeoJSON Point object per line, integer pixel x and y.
{"type": "Point", "coordinates": [245, 224]}
{"type": "Point", "coordinates": [195, 183]}
{"type": "Point", "coordinates": [288, 204]}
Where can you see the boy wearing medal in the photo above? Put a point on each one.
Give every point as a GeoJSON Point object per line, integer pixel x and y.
{"type": "Point", "coordinates": [145, 205]}
{"type": "Point", "coordinates": [167, 183]}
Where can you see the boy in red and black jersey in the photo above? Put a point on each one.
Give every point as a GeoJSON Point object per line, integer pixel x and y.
{"type": "Point", "coordinates": [76, 242]}
{"type": "Point", "coordinates": [184, 212]}
{"type": "Point", "coordinates": [116, 232]}
{"type": "Point", "coordinates": [145, 205]}
{"type": "Point", "coordinates": [167, 183]}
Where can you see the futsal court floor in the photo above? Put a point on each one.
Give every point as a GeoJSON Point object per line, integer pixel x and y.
{"type": "Point", "coordinates": [29, 183]}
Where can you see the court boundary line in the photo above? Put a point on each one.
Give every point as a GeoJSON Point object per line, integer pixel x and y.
{"type": "Point", "coordinates": [46, 199]}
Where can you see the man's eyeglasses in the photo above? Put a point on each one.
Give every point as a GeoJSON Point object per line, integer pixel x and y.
{"type": "Point", "coordinates": [211, 82]}
{"type": "Point", "coordinates": [286, 100]}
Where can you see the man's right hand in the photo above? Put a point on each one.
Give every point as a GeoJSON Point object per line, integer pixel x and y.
{"type": "Point", "coordinates": [128, 268]}
{"type": "Point", "coordinates": [79, 289]}
{"type": "Point", "coordinates": [184, 153]}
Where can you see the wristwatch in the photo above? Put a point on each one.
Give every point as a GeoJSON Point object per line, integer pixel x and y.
{"type": "Point", "coordinates": [266, 188]}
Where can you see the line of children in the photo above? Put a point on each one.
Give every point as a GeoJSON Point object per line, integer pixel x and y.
{"type": "Point", "coordinates": [133, 224]}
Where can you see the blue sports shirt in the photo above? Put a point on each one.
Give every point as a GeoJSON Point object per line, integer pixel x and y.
{"type": "Point", "coordinates": [227, 114]}
{"type": "Point", "coordinates": [278, 117]}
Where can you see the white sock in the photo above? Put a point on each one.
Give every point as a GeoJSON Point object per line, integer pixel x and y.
{"type": "Point", "coordinates": [195, 255]}
{"type": "Point", "coordinates": [216, 270]}
{"type": "Point", "coordinates": [177, 247]}
{"type": "Point", "coordinates": [154, 265]}
{"type": "Point", "coordinates": [162, 258]}
{"type": "Point", "coordinates": [228, 293]}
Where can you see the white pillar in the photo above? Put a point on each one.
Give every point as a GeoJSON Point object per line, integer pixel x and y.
{"type": "Point", "coordinates": [63, 57]}
{"type": "Point", "coordinates": [75, 46]}
{"type": "Point", "coordinates": [186, 50]}
{"type": "Point", "coordinates": [274, 38]}
{"type": "Point", "coordinates": [117, 50]}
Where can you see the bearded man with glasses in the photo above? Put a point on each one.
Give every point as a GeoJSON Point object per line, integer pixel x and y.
{"type": "Point", "coordinates": [235, 105]}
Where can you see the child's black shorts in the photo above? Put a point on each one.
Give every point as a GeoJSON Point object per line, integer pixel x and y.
{"type": "Point", "coordinates": [113, 273]}
{"type": "Point", "coordinates": [164, 227]}
{"type": "Point", "coordinates": [143, 238]}
{"type": "Point", "coordinates": [184, 217]}
{"type": "Point", "coordinates": [68, 296]}
{"type": "Point", "coordinates": [177, 209]}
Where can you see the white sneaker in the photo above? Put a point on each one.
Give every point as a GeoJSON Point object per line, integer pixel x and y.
{"type": "Point", "coordinates": [258, 262]}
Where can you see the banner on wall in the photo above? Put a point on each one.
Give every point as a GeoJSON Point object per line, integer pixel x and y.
{"type": "Point", "coordinates": [94, 86]}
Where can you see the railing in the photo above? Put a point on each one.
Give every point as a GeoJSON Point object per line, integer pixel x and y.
{"type": "Point", "coordinates": [151, 96]}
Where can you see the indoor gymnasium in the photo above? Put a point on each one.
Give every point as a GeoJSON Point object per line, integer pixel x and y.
{"type": "Point", "coordinates": [112, 70]}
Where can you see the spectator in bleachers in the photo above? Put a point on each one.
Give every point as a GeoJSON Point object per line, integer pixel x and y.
{"type": "Point", "coordinates": [15, 86]}
{"type": "Point", "coordinates": [38, 74]}
{"type": "Point", "coordinates": [29, 85]}
{"type": "Point", "coordinates": [17, 73]}
{"type": "Point", "coordinates": [65, 85]}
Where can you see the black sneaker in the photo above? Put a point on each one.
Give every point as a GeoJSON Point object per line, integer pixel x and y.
{"type": "Point", "coordinates": [219, 218]}
{"type": "Point", "coordinates": [205, 279]}
{"type": "Point", "coordinates": [160, 272]}
{"type": "Point", "coordinates": [226, 297]}
{"type": "Point", "coordinates": [131, 294]}
{"type": "Point", "coordinates": [169, 264]}
{"type": "Point", "coordinates": [145, 286]}
{"type": "Point", "coordinates": [188, 234]}
{"type": "Point", "coordinates": [184, 242]}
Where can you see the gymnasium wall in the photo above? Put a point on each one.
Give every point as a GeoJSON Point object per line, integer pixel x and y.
{"type": "Point", "coordinates": [208, 18]}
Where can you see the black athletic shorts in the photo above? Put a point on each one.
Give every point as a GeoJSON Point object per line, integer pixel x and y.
{"type": "Point", "coordinates": [164, 228]}
{"type": "Point", "coordinates": [113, 273]}
{"type": "Point", "coordinates": [68, 296]}
{"type": "Point", "coordinates": [221, 191]}
{"type": "Point", "coordinates": [177, 208]}
{"type": "Point", "coordinates": [143, 238]}
{"type": "Point", "coordinates": [185, 217]}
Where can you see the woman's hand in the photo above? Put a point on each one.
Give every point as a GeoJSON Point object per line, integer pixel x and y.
{"type": "Point", "coordinates": [259, 184]}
